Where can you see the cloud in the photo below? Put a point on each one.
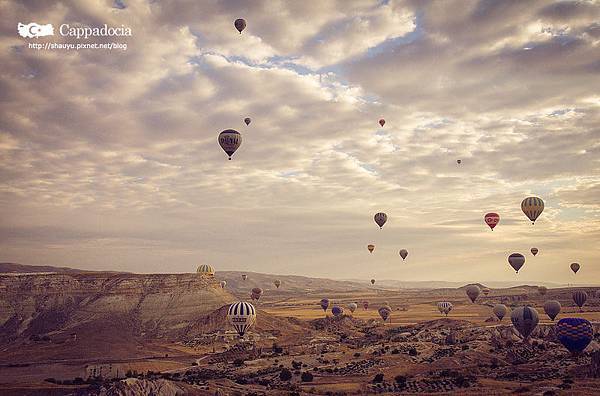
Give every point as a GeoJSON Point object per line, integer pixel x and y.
{"type": "Point", "coordinates": [110, 159]}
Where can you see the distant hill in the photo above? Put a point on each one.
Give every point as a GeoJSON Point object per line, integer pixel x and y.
{"type": "Point", "coordinates": [22, 269]}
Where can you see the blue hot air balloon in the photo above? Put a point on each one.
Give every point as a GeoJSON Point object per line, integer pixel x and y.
{"type": "Point", "coordinates": [574, 333]}
{"type": "Point", "coordinates": [337, 311]}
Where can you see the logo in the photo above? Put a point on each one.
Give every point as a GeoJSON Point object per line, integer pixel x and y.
{"type": "Point", "coordinates": [34, 30]}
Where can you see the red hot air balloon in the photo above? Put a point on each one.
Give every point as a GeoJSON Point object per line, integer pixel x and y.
{"type": "Point", "coordinates": [492, 219]}
{"type": "Point", "coordinates": [382, 122]}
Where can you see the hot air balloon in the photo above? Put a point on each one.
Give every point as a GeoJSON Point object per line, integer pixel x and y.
{"type": "Point", "coordinates": [580, 297]}
{"type": "Point", "coordinates": [206, 270]}
{"type": "Point", "coordinates": [574, 333]}
{"type": "Point", "coordinates": [458, 161]}
{"type": "Point", "coordinates": [534, 251]}
{"type": "Point", "coordinates": [337, 311]}
{"type": "Point", "coordinates": [384, 312]}
{"type": "Point", "coordinates": [525, 319]}
{"type": "Point", "coordinates": [240, 24]}
{"type": "Point", "coordinates": [242, 316]}
{"type": "Point", "coordinates": [372, 281]}
{"type": "Point", "coordinates": [404, 254]}
{"type": "Point", "coordinates": [552, 308]}
{"type": "Point", "coordinates": [382, 122]}
{"type": "Point", "coordinates": [542, 290]}
{"type": "Point", "coordinates": [500, 311]}
{"type": "Point", "coordinates": [371, 248]}
{"type": "Point", "coordinates": [492, 219]}
{"type": "Point", "coordinates": [486, 291]}
{"type": "Point", "coordinates": [473, 292]}
{"type": "Point", "coordinates": [256, 293]}
{"type": "Point", "coordinates": [244, 277]}
{"type": "Point", "coordinates": [444, 307]}
{"type": "Point", "coordinates": [247, 120]}
{"type": "Point", "coordinates": [352, 307]}
{"type": "Point", "coordinates": [575, 267]}
{"type": "Point", "coordinates": [365, 305]}
{"type": "Point", "coordinates": [532, 207]}
{"type": "Point", "coordinates": [223, 284]}
{"type": "Point", "coordinates": [230, 140]}
{"type": "Point", "coordinates": [516, 260]}
{"type": "Point", "coordinates": [324, 304]}
{"type": "Point", "coordinates": [277, 283]}
{"type": "Point", "coordinates": [380, 219]}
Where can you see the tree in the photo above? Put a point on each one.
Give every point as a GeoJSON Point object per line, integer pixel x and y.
{"type": "Point", "coordinates": [378, 378]}
{"type": "Point", "coordinates": [285, 375]}
{"type": "Point", "coordinates": [306, 377]}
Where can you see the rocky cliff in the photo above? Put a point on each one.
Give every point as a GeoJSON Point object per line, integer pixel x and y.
{"type": "Point", "coordinates": [33, 304]}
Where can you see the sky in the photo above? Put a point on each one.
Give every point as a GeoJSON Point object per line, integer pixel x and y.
{"type": "Point", "coordinates": [109, 158]}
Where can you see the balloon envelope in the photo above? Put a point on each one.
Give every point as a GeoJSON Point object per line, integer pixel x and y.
{"type": "Point", "coordinates": [230, 140]}
{"type": "Point", "coordinates": [575, 267]}
{"type": "Point", "coordinates": [382, 122]}
{"type": "Point", "coordinates": [244, 276]}
{"type": "Point", "coordinates": [324, 304]}
{"type": "Point", "coordinates": [337, 311]}
{"type": "Point", "coordinates": [473, 292]}
{"type": "Point", "coordinates": [492, 219]}
{"type": "Point", "coordinates": [384, 312]}
{"type": "Point", "coordinates": [223, 284]}
{"type": "Point", "coordinates": [352, 307]}
{"type": "Point", "coordinates": [240, 24]}
{"type": "Point", "coordinates": [371, 248]}
{"type": "Point", "coordinates": [404, 254]}
{"type": "Point", "coordinates": [372, 281]}
{"type": "Point", "coordinates": [380, 218]}
{"type": "Point", "coordinates": [277, 283]}
{"type": "Point", "coordinates": [241, 315]}
{"type": "Point", "coordinates": [516, 260]}
{"type": "Point", "coordinates": [500, 311]}
{"type": "Point", "coordinates": [444, 307]}
{"type": "Point", "coordinates": [534, 251]}
{"type": "Point", "coordinates": [532, 207]}
{"type": "Point", "coordinates": [525, 319]}
{"type": "Point", "coordinates": [459, 161]}
{"type": "Point", "coordinates": [247, 120]}
{"type": "Point", "coordinates": [365, 304]}
{"type": "Point", "coordinates": [574, 333]}
{"type": "Point", "coordinates": [580, 297]}
{"type": "Point", "coordinates": [552, 308]}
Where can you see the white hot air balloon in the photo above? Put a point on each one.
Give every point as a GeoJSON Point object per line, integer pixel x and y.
{"type": "Point", "coordinates": [242, 316]}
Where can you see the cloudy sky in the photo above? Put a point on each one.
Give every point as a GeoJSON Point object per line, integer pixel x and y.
{"type": "Point", "coordinates": [109, 158]}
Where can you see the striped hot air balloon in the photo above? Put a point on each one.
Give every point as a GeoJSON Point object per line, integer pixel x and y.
{"type": "Point", "coordinates": [532, 207]}
{"type": "Point", "coordinates": [580, 297]}
{"type": "Point", "coordinates": [500, 311]}
{"type": "Point", "coordinates": [525, 319]}
{"type": "Point", "coordinates": [444, 307]}
{"type": "Point", "coordinates": [242, 316]}
{"type": "Point", "coordinates": [206, 269]}
{"type": "Point", "coordinates": [574, 333]}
